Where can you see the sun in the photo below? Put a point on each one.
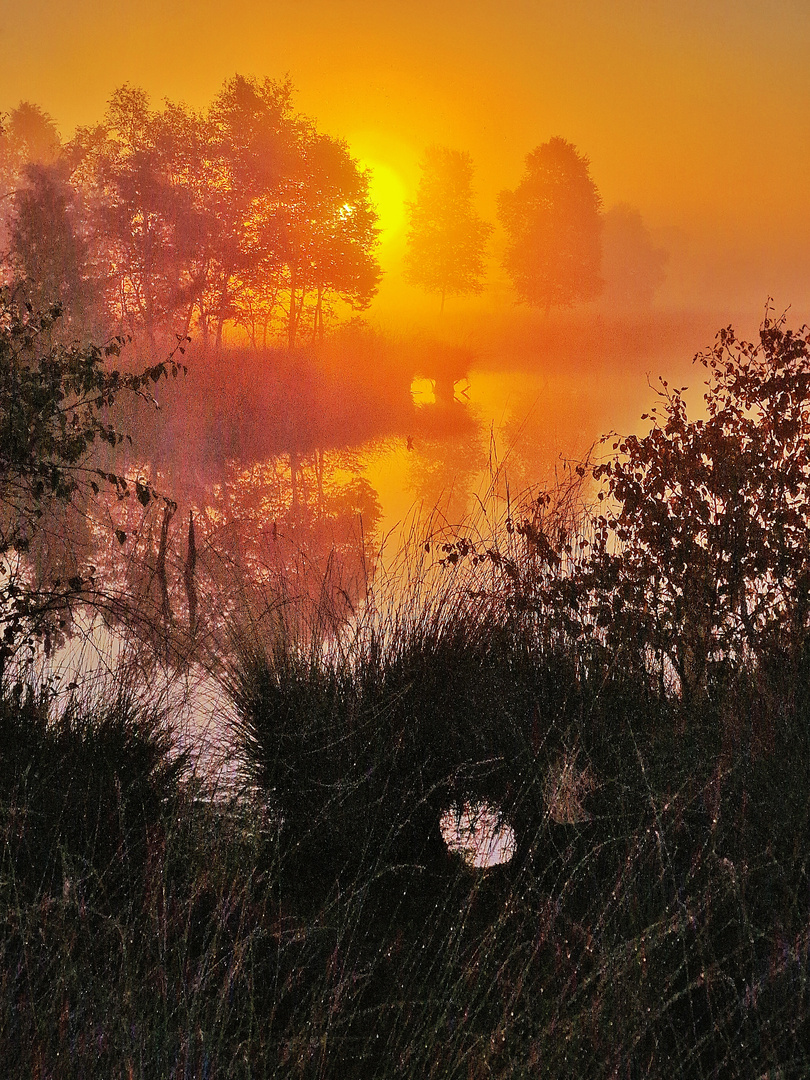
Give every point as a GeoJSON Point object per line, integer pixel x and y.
{"type": "Point", "coordinates": [388, 193]}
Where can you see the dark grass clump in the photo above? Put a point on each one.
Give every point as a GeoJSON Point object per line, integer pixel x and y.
{"type": "Point", "coordinates": [659, 931]}
{"type": "Point", "coordinates": [83, 790]}
{"type": "Point", "coordinates": [655, 924]}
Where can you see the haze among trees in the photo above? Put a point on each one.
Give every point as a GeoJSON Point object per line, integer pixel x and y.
{"type": "Point", "coordinates": [632, 264]}
{"type": "Point", "coordinates": [561, 248]}
{"type": "Point", "coordinates": [446, 237]}
{"type": "Point", "coordinates": [553, 224]}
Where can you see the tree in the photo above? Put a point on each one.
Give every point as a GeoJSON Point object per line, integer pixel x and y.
{"type": "Point", "coordinates": [446, 238]}
{"type": "Point", "coordinates": [632, 266]}
{"type": "Point", "coordinates": [711, 517]}
{"type": "Point", "coordinates": [28, 136]}
{"type": "Point", "coordinates": [141, 169]}
{"type": "Point", "coordinates": [553, 225]}
{"type": "Point", "coordinates": [295, 211]}
{"type": "Point", "coordinates": [256, 138]}
{"type": "Point", "coordinates": [244, 213]}
{"type": "Point", "coordinates": [328, 232]}
{"type": "Point", "coordinates": [50, 253]}
{"type": "Point", "coordinates": [53, 414]}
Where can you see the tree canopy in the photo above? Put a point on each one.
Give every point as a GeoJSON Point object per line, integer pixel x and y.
{"type": "Point", "coordinates": [446, 237]}
{"type": "Point", "coordinates": [553, 224]}
{"type": "Point", "coordinates": [243, 213]}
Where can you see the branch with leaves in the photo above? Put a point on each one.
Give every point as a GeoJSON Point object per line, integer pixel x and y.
{"type": "Point", "coordinates": [54, 413]}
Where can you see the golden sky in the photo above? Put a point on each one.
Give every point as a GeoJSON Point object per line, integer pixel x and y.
{"type": "Point", "coordinates": [698, 113]}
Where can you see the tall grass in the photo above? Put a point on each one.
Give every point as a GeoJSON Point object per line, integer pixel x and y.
{"type": "Point", "coordinates": [315, 924]}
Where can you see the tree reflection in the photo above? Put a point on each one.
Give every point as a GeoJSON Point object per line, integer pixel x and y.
{"type": "Point", "coordinates": [254, 547]}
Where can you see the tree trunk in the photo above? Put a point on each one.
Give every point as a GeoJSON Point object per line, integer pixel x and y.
{"type": "Point", "coordinates": [319, 479]}
{"type": "Point", "coordinates": [223, 304]}
{"type": "Point", "coordinates": [292, 314]}
{"type": "Point", "coordinates": [317, 326]}
{"type": "Point", "coordinates": [294, 476]}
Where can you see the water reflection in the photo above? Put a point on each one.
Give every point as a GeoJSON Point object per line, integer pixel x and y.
{"type": "Point", "coordinates": [478, 833]}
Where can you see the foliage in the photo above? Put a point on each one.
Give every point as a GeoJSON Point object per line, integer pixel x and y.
{"type": "Point", "coordinates": [553, 225]}
{"type": "Point", "coordinates": [54, 413]}
{"type": "Point", "coordinates": [243, 212]}
{"type": "Point", "coordinates": [29, 139]}
{"type": "Point", "coordinates": [711, 516]}
{"type": "Point", "coordinates": [88, 780]}
{"type": "Point", "coordinates": [315, 925]}
{"type": "Point", "coordinates": [446, 238]}
{"type": "Point", "coordinates": [27, 135]}
{"type": "Point", "coordinates": [141, 172]}
{"type": "Point", "coordinates": [51, 260]}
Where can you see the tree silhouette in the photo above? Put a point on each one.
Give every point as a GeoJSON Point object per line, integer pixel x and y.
{"type": "Point", "coordinates": [446, 238]}
{"type": "Point", "coordinates": [553, 224]}
{"type": "Point", "coordinates": [27, 136]}
{"type": "Point", "coordinates": [632, 266]}
{"type": "Point", "coordinates": [256, 141]}
{"type": "Point", "coordinates": [712, 516]}
{"type": "Point", "coordinates": [326, 232]}
{"type": "Point", "coordinates": [50, 253]}
{"type": "Point", "coordinates": [150, 219]}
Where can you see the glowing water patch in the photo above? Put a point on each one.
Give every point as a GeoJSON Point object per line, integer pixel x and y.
{"type": "Point", "coordinates": [479, 834]}
{"type": "Point", "coordinates": [423, 392]}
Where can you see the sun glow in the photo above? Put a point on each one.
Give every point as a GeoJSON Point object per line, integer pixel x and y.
{"type": "Point", "coordinates": [388, 193]}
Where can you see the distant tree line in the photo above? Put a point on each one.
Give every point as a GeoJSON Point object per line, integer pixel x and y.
{"type": "Point", "coordinates": [561, 249]}
{"type": "Point", "coordinates": [157, 221]}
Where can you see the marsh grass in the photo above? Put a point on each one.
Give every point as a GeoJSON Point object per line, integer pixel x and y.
{"type": "Point", "coordinates": [653, 921]}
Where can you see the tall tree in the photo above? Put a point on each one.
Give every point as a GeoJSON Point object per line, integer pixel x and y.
{"type": "Point", "coordinates": [27, 136]}
{"type": "Point", "coordinates": [328, 232]}
{"type": "Point", "coordinates": [553, 224]}
{"type": "Point", "coordinates": [256, 139]}
{"type": "Point", "coordinates": [446, 238]}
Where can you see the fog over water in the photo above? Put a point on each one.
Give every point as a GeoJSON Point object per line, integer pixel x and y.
{"type": "Point", "coordinates": [425, 423]}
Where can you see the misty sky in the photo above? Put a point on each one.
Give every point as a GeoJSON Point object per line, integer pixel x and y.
{"type": "Point", "coordinates": [698, 113]}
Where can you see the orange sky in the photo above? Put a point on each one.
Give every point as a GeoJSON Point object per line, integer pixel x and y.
{"type": "Point", "coordinates": [696, 112]}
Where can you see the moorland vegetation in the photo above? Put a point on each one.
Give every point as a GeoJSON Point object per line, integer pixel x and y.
{"type": "Point", "coordinates": [641, 629]}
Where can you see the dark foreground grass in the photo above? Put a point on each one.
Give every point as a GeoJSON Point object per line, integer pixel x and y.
{"type": "Point", "coordinates": [316, 926]}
